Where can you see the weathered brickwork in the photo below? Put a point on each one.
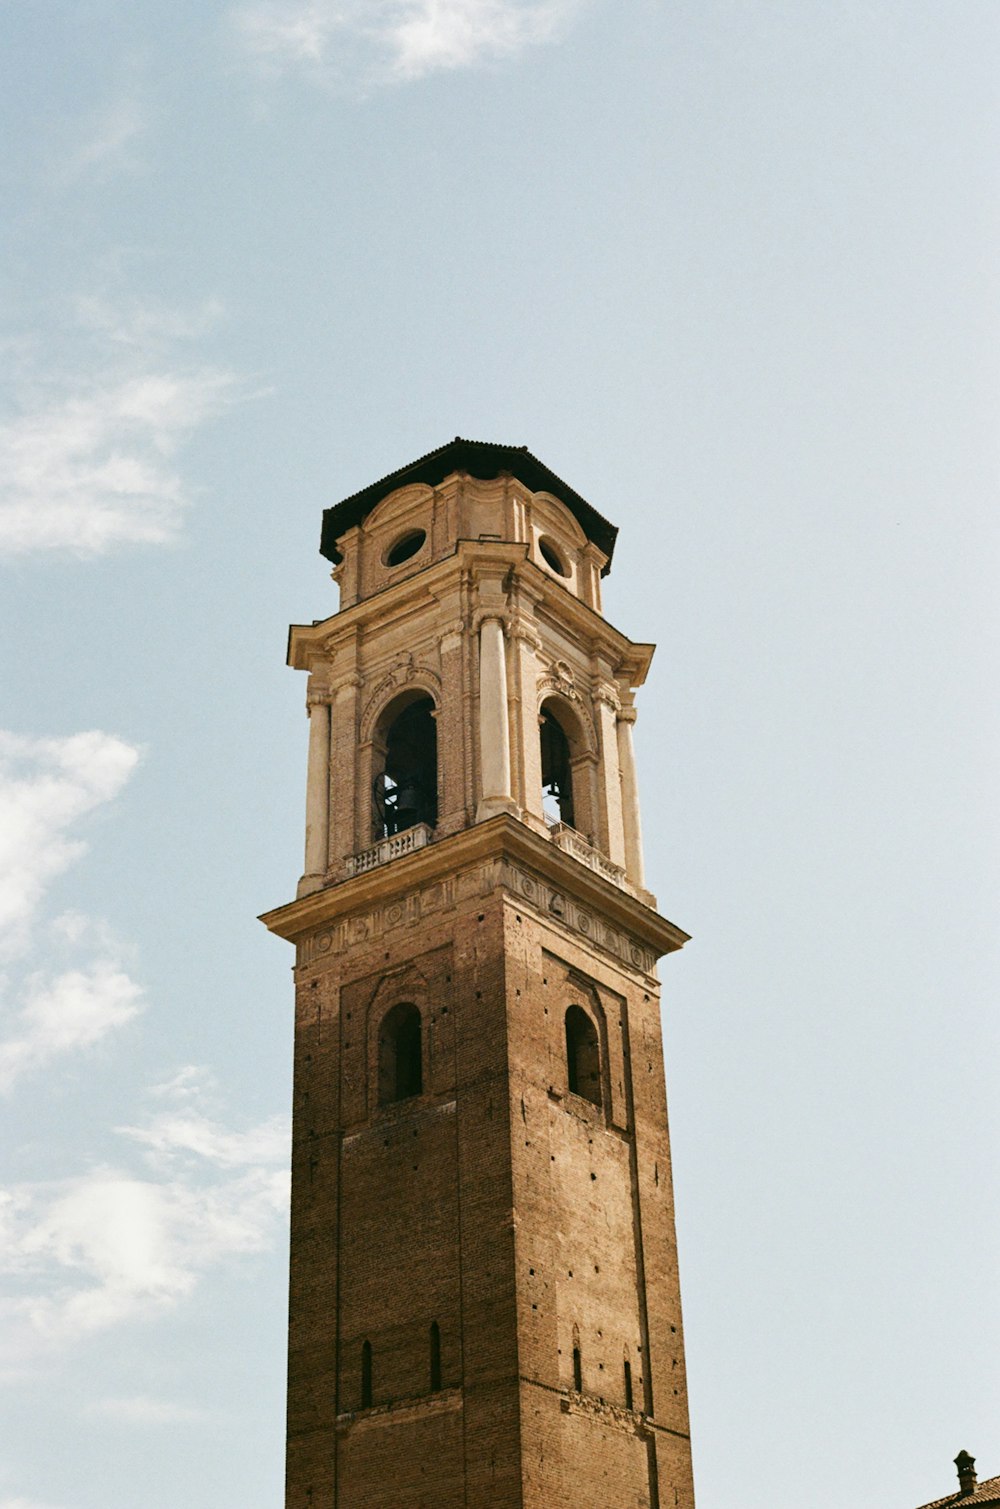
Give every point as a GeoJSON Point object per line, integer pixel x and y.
{"type": "Point", "coordinates": [484, 1302]}
{"type": "Point", "coordinates": [518, 1217]}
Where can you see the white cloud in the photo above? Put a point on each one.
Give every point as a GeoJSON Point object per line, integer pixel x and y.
{"type": "Point", "coordinates": [93, 422]}
{"type": "Point", "coordinates": [400, 39]}
{"type": "Point", "coordinates": [47, 787]}
{"type": "Point", "coordinates": [113, 1245]}
{"type": "Point", "coordinates": [72, 1010]}
{"type": "Point", "coordinates": [145, 323]}
{"type": "Point", "coordinates": [192, 1133]}
{"type": "Point", "coordinates": [90, 469]}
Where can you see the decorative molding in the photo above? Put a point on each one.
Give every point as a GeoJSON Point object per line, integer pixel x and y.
{"type": "Point", "coordinates": [469, 860]}
{"type": "Point", "coordinates": [607, 693]}
{"type": "Point", "coordinates": [561, 676]}
{"type": "Point", "coordinates": [412, 909]}
{"type": "Point", "coordinates": [579, 919]}
{"type": "Point", "coordinates": [451, 631]}
{"type": "Point", "coordinates": [348, 683]}
{"type": "Point", "coordinates": [558, 681]}
{"type": "Point", "coordinates": [405, 672]}
{"type": "Point", "coordinates": [486, 615]}
{"type": "Point", "coordinates": [517, 629]}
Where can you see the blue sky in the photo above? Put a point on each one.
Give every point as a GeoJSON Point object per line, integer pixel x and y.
{"type": "Point", "coordinates": [729, 269]}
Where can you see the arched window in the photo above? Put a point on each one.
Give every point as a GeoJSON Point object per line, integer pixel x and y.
{"type": "Point", "coordinates": [583, 1056]}
{"type": "Point", "coordinates": [435, 1357]}
{"type": "Point", "coordinates": [628, 1384]}
{"type": "Point", "coordinates": [405, 789]}
{"type": "Point", "coordinates": [557, 774]}
{"type": "Point", "coordinates": [400, 1056]}
{"type": "Point", "coordinates": [366, 1376]}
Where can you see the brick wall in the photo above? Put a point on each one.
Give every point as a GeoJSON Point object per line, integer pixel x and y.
{"type": "Point", "coordinates": [520, 1218]}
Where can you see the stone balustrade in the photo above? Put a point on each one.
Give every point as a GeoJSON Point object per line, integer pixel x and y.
{"type": "Point", "coordinates": [572, 842]}
{"type": "Point", "coordinates": [387, 849]}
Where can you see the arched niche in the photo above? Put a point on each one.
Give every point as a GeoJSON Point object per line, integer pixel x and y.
{"type": "Point", "coordinates": [400, 1054]}
{"type": "Point", "coordinates": [584, 1076]}
{"type": "Point", "coordinates": [391, 1007]}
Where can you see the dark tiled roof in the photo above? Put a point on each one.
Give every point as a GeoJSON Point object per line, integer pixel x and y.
{"type": "Point", "coordinates": [987, 1492]}
{"type": "Point", "coordinates": [480, 458]}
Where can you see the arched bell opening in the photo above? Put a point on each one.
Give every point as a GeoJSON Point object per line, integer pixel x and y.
{"type": "Point", "coordinates": [557, 770]}
{"type": "Point", "coordinates": [404, 790]}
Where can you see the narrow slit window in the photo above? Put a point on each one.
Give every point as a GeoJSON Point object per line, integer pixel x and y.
{"type": "Point", "coordinates": [583, 1056]}
{"type": "Point", "coordinates": [628, 1385]}
{"type": "Point", "coordinates": [435, 1357]}
{"type": "Point", "coordinates": [366, 1376]}
{"type": "Point", "coordinates": [577, 1370]}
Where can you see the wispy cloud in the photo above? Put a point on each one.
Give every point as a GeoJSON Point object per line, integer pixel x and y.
{"type": "Point", "coordinates": [141, 1410]}
{"type": "Point", "coordinates": [88, 445]}
{"type": "Point", "coordinates": [105, 139]}
{"type": "Point", "coordinates": [395, 39]}
{"type": "Point", "coordinates": [71, 1010]}
{"type": "Point", "coordinates": [47, 788]}
{"type": "Point", "coordinates": [24, 1504]}
{"type": "Point", "coordinates": [116, 1244]}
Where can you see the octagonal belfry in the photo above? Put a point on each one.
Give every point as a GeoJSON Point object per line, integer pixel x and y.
{"type": "Point", "coordinates": [484, 1303]}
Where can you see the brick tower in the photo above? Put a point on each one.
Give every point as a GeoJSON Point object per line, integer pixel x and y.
{"type": "Point", "coordinates": [484, 1304]}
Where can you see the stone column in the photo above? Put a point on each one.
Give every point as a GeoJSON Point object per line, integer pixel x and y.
{"type": "Point", "coordinates": [494, 729]}
{"type": "Point", "coordinates": [348, 808]}
{"type": "Point", "coordinates": [607, 708]}
{"type": "Point", "coordinates": [317, 793]}
{"type": "Point", "coordinates": [630, 798]}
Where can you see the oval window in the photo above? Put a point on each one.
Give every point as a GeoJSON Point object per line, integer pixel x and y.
{"type": "Point", "coordinates": [551, 556]}
{"type": "Point", "coordinates": [406, 546]}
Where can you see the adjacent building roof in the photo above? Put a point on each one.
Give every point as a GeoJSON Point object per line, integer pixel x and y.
{"type": "Point", "coordinates": [482, 459]}
{"type": "Point", "coordinates": [986, 1492]}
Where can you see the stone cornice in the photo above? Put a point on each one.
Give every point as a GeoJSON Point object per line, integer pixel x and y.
{"type": "Point", "coordinates": [311, 644]}
{"type": "Point", "coordinates": [502, 838]}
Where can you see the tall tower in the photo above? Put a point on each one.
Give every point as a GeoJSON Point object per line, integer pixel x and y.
{"type": "Point", "coordinates": [484, 1304]}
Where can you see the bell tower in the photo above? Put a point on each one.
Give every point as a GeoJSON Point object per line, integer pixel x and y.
{"type": "Point", "coordinates": [484, 1304]}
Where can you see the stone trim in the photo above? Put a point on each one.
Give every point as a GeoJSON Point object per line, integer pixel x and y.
{"type": "Point", "coordinates": [631, 1421]}
{"type": "Point", "coordinates": [443, 1402]}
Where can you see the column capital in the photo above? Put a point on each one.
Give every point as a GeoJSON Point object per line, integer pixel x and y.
{"type": "Point", "coordinates": [452, 633]}
{"type": "Point", "coordinates": [606, 693]}
{"type": "Point", "coordinates": [518, 628]}
{"type": "Point", "coordinates": [627, 715]}
{"type": "Point", "coordinates": [497, 614]}
{"type": "Point", "coordinates": [348, 683]}
{"type": "Point", "coordinates": [319, 696]}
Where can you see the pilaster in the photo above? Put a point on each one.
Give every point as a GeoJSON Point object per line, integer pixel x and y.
{"type": "Point", "coordinates": [606, 709]}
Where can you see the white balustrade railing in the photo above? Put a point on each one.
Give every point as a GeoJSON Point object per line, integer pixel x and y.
{"type": "Point", "coordinates": [386, 849]}
{"type": "Point", "coordinates": [572, 842]}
